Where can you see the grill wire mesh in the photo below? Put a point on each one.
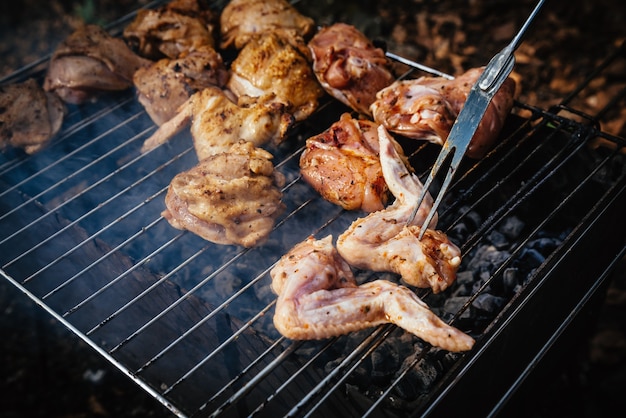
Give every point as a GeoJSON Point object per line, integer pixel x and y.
{"type": "Point", "coordinates": [191, 322]}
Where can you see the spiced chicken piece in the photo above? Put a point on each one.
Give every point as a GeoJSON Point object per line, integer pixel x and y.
{"type": "Point", "coordinates": [271, 65]}
{"type": "Point", "coordinates": [228, 198]}
{"type": "Point", "coordinates": [382, 241]}
{"type": "Point", "coordinates": [342, 164]}
{"type": "Point", "coordinates": [217, 122]}
{"type": "Point", "coordinates": [88, 62]}
{"type": "Point", "coordinates": [349, 66]}
{"type": "Point", "coordinates": [29, 116]}
{"type": "Point", "coordinates": [242, 20]}
{"type": "Point", "coordinates": [426, 108]}
{"type": "Point", "coordinates": [167, 84]}
{"type": "Point", "coordinates": [318, 297]}
{"type": "Point", "coordinates": [177, 27]}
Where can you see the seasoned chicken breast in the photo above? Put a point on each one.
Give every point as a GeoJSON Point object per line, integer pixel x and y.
{"type": "Point", "coordinates": [243, 20]}
{"type": "Point", "coordinates": [342, 164]}
{"type": "Point", "coordinates": [318, 297]}
{"type": "Point", "coordinates": [229, 198]}
{"type": "Point", "coordinates": [425, 108]}
{"type": "Point", "coordinates": [271, 65]}
{"type": "Point", "coordinates": [168, 31]}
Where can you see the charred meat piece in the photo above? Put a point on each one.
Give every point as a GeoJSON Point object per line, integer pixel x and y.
{"type": "Point", "coordinates": [179, 26]}
{"type": "Point", "coordinates": [382, 241]}
{"type": "Point", "coordinates": [165, 85]}
{"type": "Point", "coordinates": [217, 122]}
{"type": "Point", "coordinates": [228, 198]}
{"type": "Point", "coordinates": [91, 61]}
{"type": "Point", "coordinates": [342, 164]}
{"type": "Point", "coordinates": [425, 108]}
{"type": "Point", "coordinates": [318, 297]}
{"type": "Point", "coordinates": [242, 20]}
{"type": "Point", "coordinates": [29, 116]}
{"type": "Point", "coordinates": [271, 65]}
{"type": "Point", "coordinates": [349, 66]}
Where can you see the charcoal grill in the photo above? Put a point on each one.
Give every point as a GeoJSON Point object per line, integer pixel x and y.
{"type": "Point", "coordinates": [539, 221]}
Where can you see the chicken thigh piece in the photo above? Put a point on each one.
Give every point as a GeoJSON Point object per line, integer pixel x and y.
{"type": "Point", "coordinates": [343, 166]}
{"type": "Point", "coordinates": [382, 241]}
{"type": "Point", "coordinates": [228, 198]}
{"type": "Point", "coordinates": [217, 122]}
{"type": "Point", "coordinates": [88, 62]}
{"type": "Point", "coordinates": [165, 85]}
{"type": "Point", "coordinates": [242, 20]}
{"type": "Point", "coordinates": [318, 297]}
{"type": "Point", "coordinates": [271, 65]}
{"type": "Point", "coordinates": [349, 67]}
{"type": "Point", "coordinates": [166, 32]}
{"type": "Point", "coordinates": [426, 108]}
{"type": "Point", "coordinates": [29, 116]}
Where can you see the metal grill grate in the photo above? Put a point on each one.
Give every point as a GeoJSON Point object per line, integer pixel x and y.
{"type": "Point", "coordinates": [191, 322]}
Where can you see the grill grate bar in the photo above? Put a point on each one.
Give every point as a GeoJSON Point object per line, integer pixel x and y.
{"type": "Point", "coordinates": [280, 358]}
{"type": "Point", "coordinates": [116, 279]}
{"type": "Point", "coordinates": [276, 344]}
{"type": "Point", "coordinates": [533, 183]}
{"type": "Point", "coordinates": [148, 290]}
{"type": "Point", "coordinates": [269, 375]}
{"type": "Point", "coordinates": [89, 267]}
{"type": "Point", "coordinates": [386, 330]}
{"type": "Point", "coordinates": [213, 353]}
{"type": "Point", "coordinates": [66, 133]}
{"type": "Point", "coordinates": [379, 333]}
{"type": "Point", "coordinates": [71, 199]}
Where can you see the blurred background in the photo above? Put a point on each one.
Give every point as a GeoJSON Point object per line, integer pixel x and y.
{"type": "Point", "coordinates": [48, 371]}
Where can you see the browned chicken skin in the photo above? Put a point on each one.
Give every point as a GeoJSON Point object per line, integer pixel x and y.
{"type": "Point", "coordinates": [425, 108]}
{"type": "Point", "coordinates": [342, 164]}
{"type": "Point", "coordinates": [179, 26]}
{"type": "Point", "coordinates": [243, 20]}
{"type": "Point", "coordinates": [88, 62]}
{"type": "Point", "coordinates": [29, 116]}
{"type": "Point", "coordinates": [165, 85]}
{"type": "Point", "coordinates": [318, 297]}
{"type": "Point", "coordinates": [228, 198]}
{"type": "Point", "coordinates": [349, 66]}
{"type": "Point", "coordinates": [217, 122]}
{"type": "Point", "coordinates": [271, 65]}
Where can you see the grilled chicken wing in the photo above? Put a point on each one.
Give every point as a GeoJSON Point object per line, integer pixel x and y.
{"type": "Point", "coordinates": [88, 62]}
{"type": "Point", "coordinates": [242, 20]}
{"type": "Point", "coordinates": [217, 122]}
{"type": "Point", "coordinates": [342, 164]}
{"type": "Point", "coordinates": [425, 108]}
{"type": "Point", "coordinates": [382, 241]}
{"type": "Point", "coordinates": [349, 66]}
{"type": "Point", "coordinates": [228, 198]}
{"type": "Point", "coordinates": [318, 297]}
{"type": "Point", "coordinates": [165, 85]}
{"type": "Point", "coordinates": [179, 26]}
{"type": "Point", "coordinates": [29, 116]}
{"type": "Point", "coordinates": [271, 65]}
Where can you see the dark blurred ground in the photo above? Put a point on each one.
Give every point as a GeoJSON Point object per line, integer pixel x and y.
{"type": "Point", "coordinates": [49, 372]}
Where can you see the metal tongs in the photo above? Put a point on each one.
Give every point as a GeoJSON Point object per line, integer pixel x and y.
{"type": "Point", "coordinates": [472, 113]}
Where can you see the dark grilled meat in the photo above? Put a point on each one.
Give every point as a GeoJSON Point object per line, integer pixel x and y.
{"type": "Point", "coordinates": [167, 84]}
{"type": "Point", "coordinates": [89, 62]}
{"type": "Point", "coordinates": [29, 116]}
